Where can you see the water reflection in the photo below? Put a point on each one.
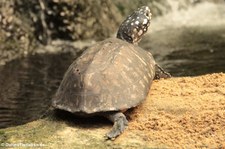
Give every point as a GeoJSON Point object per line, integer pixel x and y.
{"type": "Point", "coordinates": [27, 85]}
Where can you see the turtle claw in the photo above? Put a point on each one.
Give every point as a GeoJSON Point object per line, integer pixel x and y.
{"type": "Point", "coordinates": [161, 73]}
{"type": "Point", "coordinates": [120, 123]}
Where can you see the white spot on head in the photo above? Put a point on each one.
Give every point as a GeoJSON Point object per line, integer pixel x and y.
{"type": "Point", "coordinates": [145, 21]}
{"type": "Point", "coordinates": [146, 8]}
{"type": "Point", "coordinates": [132, 23]}
{"type": "Point", "coordinates": [145, 29]}
{"type": "Point", "coordinates": [140, 32]}
{"type": "Point", "coordinates": [135, 40]}
{"type": "Point", "coordinates": [134, 30]}
{"type": "Point", "coordinates": [138, 17]}
{"type": "Point", "coordinates": [136, 22]}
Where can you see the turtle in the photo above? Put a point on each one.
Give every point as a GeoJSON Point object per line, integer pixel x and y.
{"type": "Point", "coordinates": [110, 76]}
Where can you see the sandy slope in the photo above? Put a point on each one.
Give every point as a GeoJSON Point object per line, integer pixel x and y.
{"type": "Point", "coordinates": [184, 112]}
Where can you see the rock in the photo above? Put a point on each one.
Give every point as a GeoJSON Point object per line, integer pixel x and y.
{"type": "Point", "coordinates": [24, 26]}
{"type": "Point", "coordinates": [186, 112]}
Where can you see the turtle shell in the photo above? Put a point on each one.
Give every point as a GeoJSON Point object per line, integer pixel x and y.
{"type": "Point", "coordinates": [112, 75]}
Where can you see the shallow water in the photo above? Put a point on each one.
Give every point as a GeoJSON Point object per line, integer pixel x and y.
{"type": "Point", "coordinates": [28, 84]}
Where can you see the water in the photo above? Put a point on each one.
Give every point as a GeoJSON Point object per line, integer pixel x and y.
{"type": "Point", "coordinates": [27, 86]}
{"type": "Point", "coordinates": [189, 51]}
{"type": "Point", "coordinates": [180, 43]}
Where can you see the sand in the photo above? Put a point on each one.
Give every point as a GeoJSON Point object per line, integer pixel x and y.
{"type": "Point", "coordinates": [184, 112]}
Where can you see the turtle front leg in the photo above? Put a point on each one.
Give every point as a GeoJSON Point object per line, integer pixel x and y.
{"type": "Point", "coordinates": [120, 123]}
{"type": "Point", "coordinates": [160, 73]}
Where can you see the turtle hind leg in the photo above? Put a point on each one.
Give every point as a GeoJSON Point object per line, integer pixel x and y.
{"type": "Point", "coordinates": [120, 123]}
{"type": "Point", "coordinates": [161, 73]}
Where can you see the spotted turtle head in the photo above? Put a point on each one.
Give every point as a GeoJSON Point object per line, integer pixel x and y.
{"type": "Point", "coordinates": [135, 25]}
